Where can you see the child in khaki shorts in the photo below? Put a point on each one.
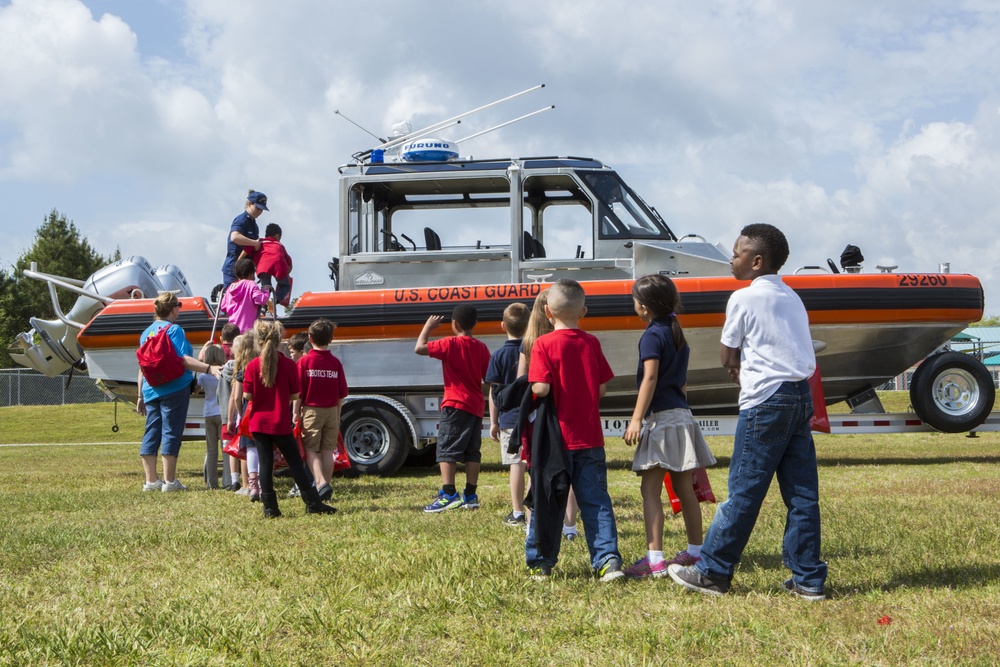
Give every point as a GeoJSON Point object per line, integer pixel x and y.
{"type": "Point", "coordinates": [321, 377]}
{"type": "Point", "coordinates": [503, 371]}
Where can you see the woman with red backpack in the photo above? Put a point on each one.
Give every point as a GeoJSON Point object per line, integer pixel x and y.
{"type": "Point", "coordinates": [166, 369]}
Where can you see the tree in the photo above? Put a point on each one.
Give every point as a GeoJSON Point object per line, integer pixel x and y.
{"type": "Point", "coordinates": [991, 321]}
{"type": "Point", "coordinates": [58, 249]}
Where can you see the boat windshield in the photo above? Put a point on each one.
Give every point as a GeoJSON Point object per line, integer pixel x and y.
{"type": "Point", "coordinates": [621, 213]}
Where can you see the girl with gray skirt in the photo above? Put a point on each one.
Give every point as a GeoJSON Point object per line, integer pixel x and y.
{"type": "Point", "coordinates": [667, 436]}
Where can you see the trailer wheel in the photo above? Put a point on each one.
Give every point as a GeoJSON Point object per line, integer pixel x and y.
{"type": "Point", "coordinates": [953, 392]}
{"type": "Point", "coordinates": [375, 436]}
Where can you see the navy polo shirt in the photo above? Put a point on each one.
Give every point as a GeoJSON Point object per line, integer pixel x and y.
{"type": "Point", "coordinates": [503, 370]}
{"type": "Point", "coordinates": [657, 342]}
{"type": "Point", "coordinates": [247, 226]}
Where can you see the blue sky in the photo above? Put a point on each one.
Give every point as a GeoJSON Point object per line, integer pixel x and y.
{"type": "Point", "coordinates": [876, 124]}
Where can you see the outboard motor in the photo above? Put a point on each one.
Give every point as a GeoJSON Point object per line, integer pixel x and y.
{"type": "Point", "coordinates": [50, 346]}
{"type": "Point", "coordinates": [172, 280]}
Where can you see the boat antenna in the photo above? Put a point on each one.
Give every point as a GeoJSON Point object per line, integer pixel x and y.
{"type": "Point", "coordinates": [437, 126]}
{"type": "Point", "coordinates": [337, 111]}
{"type": "Point", "coordinates": [509, 122]}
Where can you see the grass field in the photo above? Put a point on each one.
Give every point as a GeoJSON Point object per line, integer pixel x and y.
{"type": "Point", "coordinates": [94, 572]}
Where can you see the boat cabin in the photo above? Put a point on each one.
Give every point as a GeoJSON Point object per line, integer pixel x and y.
{"type": "Point", "coordinates": [423, 224]}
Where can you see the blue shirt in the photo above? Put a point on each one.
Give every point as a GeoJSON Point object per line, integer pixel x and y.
{"type": "Point", "coordinates": [247, 226]}
{"type": "Point", "coordinates": [503, 370]}
{"type": "Point", "coordinates": [657, 342]}
{"type": "Point", "coordinates": [181, 346]}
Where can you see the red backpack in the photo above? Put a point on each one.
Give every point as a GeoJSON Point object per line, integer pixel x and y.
{"type": "Point", "coordinates": [158, 360]}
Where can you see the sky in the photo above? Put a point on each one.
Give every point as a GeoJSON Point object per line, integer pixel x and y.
{"type": "Point", "coordinates": [145, 123]}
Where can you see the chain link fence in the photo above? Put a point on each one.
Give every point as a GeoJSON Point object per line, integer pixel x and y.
{"type": "Point", "coordinates": [22, 386]}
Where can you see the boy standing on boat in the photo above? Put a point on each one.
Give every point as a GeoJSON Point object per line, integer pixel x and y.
{"type": "Point", "coordinates": [464, 361]}
{"type": "Point", "coordinates": [767, 347]}
{"type": "Point", "coordinates": [503, 371]}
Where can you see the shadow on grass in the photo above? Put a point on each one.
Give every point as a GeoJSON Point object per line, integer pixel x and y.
{"type": "Point", "coordinates": [957, 577]}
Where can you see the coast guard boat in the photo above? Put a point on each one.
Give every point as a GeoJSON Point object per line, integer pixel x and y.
{"type": "Point", "coordinates": [422, 230]}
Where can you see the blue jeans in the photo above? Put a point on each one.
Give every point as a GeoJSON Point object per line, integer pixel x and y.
{"type": "Point", "coordinates": [771, 438]}
{"type": "Point", "coordinates": [165, 419]}
{"type": "Point", "coordinates": [588, 471]}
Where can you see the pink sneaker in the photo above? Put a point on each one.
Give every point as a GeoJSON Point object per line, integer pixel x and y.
{"type": "Point", "coordinates": [641, 569]}
{"type": "Point", "coordinates": [683, 558]}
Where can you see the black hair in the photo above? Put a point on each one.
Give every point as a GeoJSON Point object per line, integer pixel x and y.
{"type": "Point", "coordinates": [298, 341]}
{"type": "Point", "coordinates": [245, 269]}
{"type": "Point", "coordinates": [768, 242]}
{"type": "Point", "coordinates": [465, 316]}
{"type": "Point", "coordinates": [659, 295]}
{"type": "Point", "coordinates": [272, 230]}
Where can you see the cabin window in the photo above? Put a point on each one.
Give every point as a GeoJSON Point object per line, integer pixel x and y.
{"type": "Point", "coordinates": [557, 213]}
{"type": "Point", "coordinates": [621, 214]}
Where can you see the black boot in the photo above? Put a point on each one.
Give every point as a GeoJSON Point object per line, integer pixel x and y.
{"type": "Point", "coordinates": [270, 503]}
{"type": "Point", "coordinates": [310, 496]}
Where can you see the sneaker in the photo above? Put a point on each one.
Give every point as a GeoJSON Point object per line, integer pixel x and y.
{"type": "Point", "coordinates": [511, 520]}
{"type": "Point", "coordinates": [470, 502]}
{"type": "Point", "coordinates": [692, 579]}
{"type": "Point", "coordinates": [243, 491]}
{"type": "Point", "coordinates": [295, 493]}
{"type": "Point", "coordinates": [795, 589]}
{"type": "Point", "coordinates": [152, 486]}
{"type": "Point", "coordinates": [540, 573]}
{"type": "Point", "coordinates": [173, 486]}
{"type": "Point", "coordinates": [235, 486]}
{"type": "Point", "coordinates": [683, 558]}
{"type": "Point", "coordinates": [611, 570]}
{"type": "Point", "coordinates": [641, 569]}
{"type": "Point", "coordinates": [569, 537]}
{"type": "Point", "coordinates": [325, 492]}
{"type": "Point", "coordinates": [444, 502]}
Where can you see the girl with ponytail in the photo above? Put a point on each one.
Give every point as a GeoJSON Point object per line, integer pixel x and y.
{"type": "Point", "coordinates": [270, 384]}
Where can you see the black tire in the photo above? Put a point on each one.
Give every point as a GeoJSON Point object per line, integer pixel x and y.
{"type": "Point", "coordinates": [375, 436]}
{"type": "Point", "coordinates": [953, 392]}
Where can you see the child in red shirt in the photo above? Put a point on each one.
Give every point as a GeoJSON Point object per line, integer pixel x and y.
{"type": "Point", "coordinates": [321, 377]}
{"type": "Point", "coordinates": [273, 261]}
{"type": "Point", "coordinates": [570, 365]}
{"type": "Point", "coordinates": [464, 363]}
{"type": "Point", "coordinates": [270, 384]}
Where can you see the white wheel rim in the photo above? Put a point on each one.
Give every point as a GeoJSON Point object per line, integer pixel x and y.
{"type": "Point", "coordinates": [956, 392]}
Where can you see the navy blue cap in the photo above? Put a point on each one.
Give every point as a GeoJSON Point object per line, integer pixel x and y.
{"type": "Point", "coordinates": [258, 199]}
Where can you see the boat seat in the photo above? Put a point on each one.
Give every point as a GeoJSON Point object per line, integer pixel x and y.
{"type": "Point", "coordinates": [527, 246]}
{"type": "Point", "coordinates": [539, 248]}
{"type": "Point", "coordinates": [431, 239]}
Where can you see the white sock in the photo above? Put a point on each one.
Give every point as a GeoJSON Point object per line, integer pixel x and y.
{"type": "Point", "coordinates": [694, 550]}
{"type": "Point", "coordinates": [517, 515]}
{"type": "Point", "coordinates": [655, 557]}
{"type": "Point", "coordinates": [569, 530]}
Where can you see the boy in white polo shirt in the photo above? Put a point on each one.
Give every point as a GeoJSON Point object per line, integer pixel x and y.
{"type": "Point", "coordinates": [767, 348]}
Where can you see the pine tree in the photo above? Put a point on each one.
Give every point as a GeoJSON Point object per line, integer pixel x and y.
{"type": "Point", "coordinates": [58, 249]}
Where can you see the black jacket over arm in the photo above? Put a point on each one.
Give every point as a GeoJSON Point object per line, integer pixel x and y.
{"type": "Point", "coordinates": [550, 481]}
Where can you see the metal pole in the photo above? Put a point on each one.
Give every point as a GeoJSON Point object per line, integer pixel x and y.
{"type": "Point", "coordinates": [437, 126]}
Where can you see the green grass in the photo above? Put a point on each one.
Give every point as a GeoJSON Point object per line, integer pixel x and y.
{"type": "Point", "coordinates": [94, 572]}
